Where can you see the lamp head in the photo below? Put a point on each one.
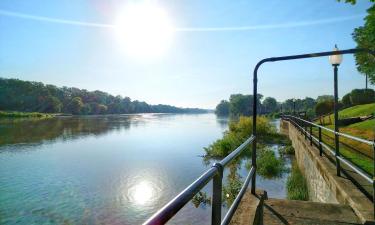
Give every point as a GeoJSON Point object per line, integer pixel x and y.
{"type": "Point", "coordinates": [335, 60]}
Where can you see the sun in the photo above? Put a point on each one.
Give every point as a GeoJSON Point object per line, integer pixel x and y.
{"type": "Point", "coordinates": [144, 29]}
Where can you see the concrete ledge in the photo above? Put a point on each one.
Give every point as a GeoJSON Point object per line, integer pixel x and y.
{"type": "Point", "coordinates": [344, 191]}
{"type": "Point", "coordinates": [250, 209]}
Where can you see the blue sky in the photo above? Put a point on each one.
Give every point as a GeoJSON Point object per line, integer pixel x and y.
{"type": "Point", "coordinates": [199, 68]}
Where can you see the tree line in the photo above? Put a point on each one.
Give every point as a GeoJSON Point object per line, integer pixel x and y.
{"type": "Point", "coordinates": [26, 96]}
{"type": "Point", "coordinates": [241, 105]}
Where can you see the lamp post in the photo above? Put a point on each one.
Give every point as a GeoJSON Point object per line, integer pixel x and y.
{"type": "Point", "coordinates": [335, 60]}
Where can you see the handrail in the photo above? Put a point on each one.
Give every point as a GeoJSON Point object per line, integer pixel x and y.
{"type": "Point", "coordinates": [371, 143]}
{"type": "Point", "coordinates": [348, 163]}
{"type": "Point", "coordinates": [215, 172]}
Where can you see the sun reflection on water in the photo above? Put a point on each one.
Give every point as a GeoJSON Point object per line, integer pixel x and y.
{"type": "Point", "coordinates": [142, 193]}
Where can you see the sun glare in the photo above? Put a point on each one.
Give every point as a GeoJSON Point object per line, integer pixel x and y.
{"type": "Point", "coordinates": [144, 30]}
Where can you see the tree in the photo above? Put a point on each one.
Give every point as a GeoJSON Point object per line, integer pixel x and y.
{"type": "Point", "coordinates": [364, 36]}
{"type": "Point", "coordinates": [51, 104]}
{"type": "Point", "coordinates": [323, 98]}
{"type": "Point", "coordinates": [270, 104]}
{"type": "Point", "coordinates": [222, 109]}
{"type": "Point", "coordinates": [323, 108]}
{"type": "Point", "coordinates": [75, 105]}
{"type": "Point", "coordinates": [353, 1]}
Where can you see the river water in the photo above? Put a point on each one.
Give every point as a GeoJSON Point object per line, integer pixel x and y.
{"type": "Point", "coordinates": [107, 169]}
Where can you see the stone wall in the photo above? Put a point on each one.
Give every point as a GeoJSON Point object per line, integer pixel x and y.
{"type": "Point", "coordinates": [323, 183]}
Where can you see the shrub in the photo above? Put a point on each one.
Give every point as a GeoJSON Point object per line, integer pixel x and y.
{"type": "Point", "coordinates": [362, 96]}
{"type": "Point", "coordinates": [268, 165]}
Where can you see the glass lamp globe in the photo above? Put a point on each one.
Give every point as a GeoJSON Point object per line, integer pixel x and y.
{"type": "Point", "coordinates": [335, 59]}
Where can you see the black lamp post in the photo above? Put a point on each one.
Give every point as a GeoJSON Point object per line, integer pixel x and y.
{"type": "Point", "coordinates": [335, 60]}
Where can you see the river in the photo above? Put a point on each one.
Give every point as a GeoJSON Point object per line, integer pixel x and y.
{"type": "Point", "coordinates": [107, 169]}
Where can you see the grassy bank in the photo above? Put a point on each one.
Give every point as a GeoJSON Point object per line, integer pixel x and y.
{"type": "Point", "coordinates": [296, 185]}
{"type": "Point", "coordinates": [358, 153]}
{"type": "Point", "coordinates": [6, 114]}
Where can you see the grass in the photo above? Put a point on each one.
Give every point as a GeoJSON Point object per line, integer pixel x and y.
{"type": "Point", "coordinates": [347, 147]}
{"type": "Point", "coordinates": [365, 125]}
{"type": "Point", "coordinates": [14, 114]}
{"type": "Point", "coordinates": [358, 153]}
{"type": "Point", "coordinates": [355, 111]}
{"type": "Point", "coordinates": [296, 185]}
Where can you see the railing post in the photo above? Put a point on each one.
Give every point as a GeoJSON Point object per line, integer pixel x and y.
{"type": "Point", "coordinates": [217, 187]}
{"type": "Point", "coordinates": [305, 128]}
{"type": "Point", "coordinates": [311, 139]}
{"type": "Point", "coordinates": [320, 142]}
{"type": "Point", "coordinates": [373, 177]}
{"type": "Point", "coordinates": [336, 115]}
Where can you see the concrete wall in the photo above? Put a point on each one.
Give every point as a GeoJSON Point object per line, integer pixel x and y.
{"type": "Point", "coordinates": [319, 191]}
{"type": "Point", "coordinates": [323, 183]}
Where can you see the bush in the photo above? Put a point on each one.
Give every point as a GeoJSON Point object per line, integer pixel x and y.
{"type": "Point", "coordinates": [268, 165]}
{"type": "Point", "coordinates": [362, 96]}
{"type": "Point", "coordinates": [238, 132]}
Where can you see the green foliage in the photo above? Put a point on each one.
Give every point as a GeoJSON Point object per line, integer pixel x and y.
{"type": "Point", "coordinates": [346, 101]}
{"type": "Point", "coordinates": [296, 185]}
{"type": "Point", "coordinates": [287, 150]}
{"type": "Point", "coordinates": [353, 2]}
{"type": "Point", "coordinates": [362, 96]}
{"type": "Point", "coordinates": [364, 36]}
{"type": "Point", "coordinates": [324, 98]}
{"type": "Point", "coordinates": [324, 107]}
{"type": "Point", "coordinates": [270, 104]}
{"type": "Point", "coordinates": [238, 132]}
{"type": "Point", "coordinates": [268, 165]}
{"type": "Point", "coordinates": [75, 105]}
{"type": "Point", "coordinates": [25, 96]}
{"type": "Point", "coordinates": [222, 109]}
{"type": "Point", "coordinates": [23, 114]}
{"type": "Point", "coordinates": [201, 198]}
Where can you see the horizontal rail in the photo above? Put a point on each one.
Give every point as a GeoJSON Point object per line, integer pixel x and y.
{"type": "Point", "coordinates": [331, 151]}
{"type": "Point", "coordinates": [237, 151]}
{"type": "Point", "coordinates": [237, 201]}
{"type": "Point", "coordinates": [171, 208]}
{"type": "Point", "coordinates": [371, 143]}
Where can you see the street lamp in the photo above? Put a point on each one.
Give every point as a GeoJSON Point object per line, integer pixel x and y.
{"type": "Point", "coordinates": [335, 60]}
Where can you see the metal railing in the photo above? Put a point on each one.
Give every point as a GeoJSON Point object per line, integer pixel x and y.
{"type": "Point", "coordinates": [215, 173]}
{"type": "Point", "coordinates": [302, 125]}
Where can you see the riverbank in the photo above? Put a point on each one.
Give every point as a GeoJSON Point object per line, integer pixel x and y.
{"type": "Point", "coordinates": [15, 114]}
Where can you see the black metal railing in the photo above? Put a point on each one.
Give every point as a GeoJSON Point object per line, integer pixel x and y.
{"type": "Point", "coordinates": [215, 173]}
{"type": "Point", "coordinates": [302, 125]}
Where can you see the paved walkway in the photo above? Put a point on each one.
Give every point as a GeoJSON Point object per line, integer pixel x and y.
{"type": "Point", "coordinates": [280, 211]}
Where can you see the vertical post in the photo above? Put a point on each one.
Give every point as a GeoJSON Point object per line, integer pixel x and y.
{"type": "Point", "coordinates": [311, 139]}
{"type": "Point", "coordinates": [255, 106]}
{"type": "Point", "coordinates": [373, 177]}
{"type": "Point", "coordinates": [335, 109]}
{"type": "Point", "coordinates": [320, 142]}
{"type": "Point", "coordinates": [217, 187]}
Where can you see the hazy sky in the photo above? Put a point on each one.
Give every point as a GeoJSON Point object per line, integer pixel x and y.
{"type": "Point", "coordinates": [210, 56]}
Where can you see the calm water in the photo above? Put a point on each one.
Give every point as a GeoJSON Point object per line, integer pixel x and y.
{"type": "Point", "coordinates": [108, 169]}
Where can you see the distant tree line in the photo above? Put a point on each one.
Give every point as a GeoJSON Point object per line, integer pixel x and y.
{"type": "Point", "coordinates": [25, 96]}
{"type": "Point", "coordinates": [241, 105]}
